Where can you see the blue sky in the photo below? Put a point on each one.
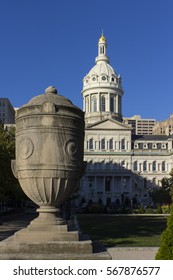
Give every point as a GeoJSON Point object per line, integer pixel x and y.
{"type": "Point", "coordinates": [54, 42]}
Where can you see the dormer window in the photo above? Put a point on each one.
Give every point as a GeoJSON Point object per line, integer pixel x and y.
{"type": "Point", "coordinates": [164, 146]}
{"type": "Point", "coordinates": [136, 146]}
{"type": "Point", "coordinates": [94, 79]}
{"type": "Point", "coordinates": [145, 146]}
{"type": "Point", "coordinates": [154, 146]}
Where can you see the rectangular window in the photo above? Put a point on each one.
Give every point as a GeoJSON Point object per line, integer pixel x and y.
{"type": "Point", "coordinates": [107, 184]}
{"type": "Point", "coordinates": [94, 105]}
{"type": "Point", "coordinates": [163, 166]}
{"type": "Point", "coordinates": [103, 105]}
{"type": "Point", "coordinates": [112, 104]}
{"type": "Point", "coordinates": [135, 167]}
{"type": "Point", "coordinates": [111, 144]}
{"type": "Point", "coordinates": [91, 144]}
{"type": "Point", "coordinates": [154, 165]}
{"type": "Point", "coordinates": [103, 144]}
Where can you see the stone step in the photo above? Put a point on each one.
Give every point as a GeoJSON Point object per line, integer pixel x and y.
{"type": "Point", "coordinates": [57, 247]}
{"type": "Point", "coordinates": [26, 235]}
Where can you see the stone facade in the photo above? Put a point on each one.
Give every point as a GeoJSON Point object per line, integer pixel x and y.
{"type": "Point", "coordinates": [121, 166]}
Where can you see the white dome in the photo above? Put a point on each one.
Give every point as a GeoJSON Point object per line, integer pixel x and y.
{"type": "Point", "coordinates": [102, 90]}
{"type": "Point", "coordinates": [102, 68]}
{"type": "Point", "coordinates": [102, 72]}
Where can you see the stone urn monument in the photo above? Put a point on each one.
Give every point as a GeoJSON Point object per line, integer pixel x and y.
{"type": "Point", "coordinates": [49, 159]}
{"type": "Point", "coordinates": [49, 163]}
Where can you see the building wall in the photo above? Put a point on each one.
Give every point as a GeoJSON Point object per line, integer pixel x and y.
{"type": "Point", "coordinates": [7, 112]}
{"type": "Point", "coordinates": [140, 126]}
{"type": "Point", "coordinates": [114, 175]}
{"type": "Point", "coordinates": [163, 127]}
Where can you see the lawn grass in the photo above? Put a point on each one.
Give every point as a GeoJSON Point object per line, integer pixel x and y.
{"type": "Point", "coordinates": [133, 231]}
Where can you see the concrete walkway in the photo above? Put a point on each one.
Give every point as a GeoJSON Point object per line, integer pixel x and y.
{"type": "Point", "coordinates": [16, 222]}
{"type": "Point", "coordinates": [133, 253]}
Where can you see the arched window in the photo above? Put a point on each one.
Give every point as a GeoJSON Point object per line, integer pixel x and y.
{"type": "Point", "coordinates": [103, 104]}
{"type": "Point", "coordinates": [112, 104]}
{"type": "Point", "coordinates": [135, 165]}
{"type": "Point", "coordinates": [163, 166]}
{"type": "Point", "coordinates": [111, 144]}
{"type": "Point", "coordinates": [91, 144]}
{"type": "Point", "coordinates": [94, 104]}
{"type": "Point", "coordinates": [145, 166]}
{"type": "Point", "coordinates": [102, 49]}
{"type": "Point", "coordinates": [123, 144]}
{"type": "Point", "coordinates": [154, 165]}
{"type": "Point", "coordinates": [103, 144]}
{"type": "Point", "coordinates": [87, 105]}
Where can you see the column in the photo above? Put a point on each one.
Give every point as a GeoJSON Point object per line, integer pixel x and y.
{"type": "Point", "coordinates": [89, 105]}
{"type": "Point", "coordinates": [117, 97]}
{"type": "Point", "coordinates": [98, 102]}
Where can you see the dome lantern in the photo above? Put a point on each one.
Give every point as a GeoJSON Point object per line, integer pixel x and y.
{"type": "Point", "coordinates": [102, 89]}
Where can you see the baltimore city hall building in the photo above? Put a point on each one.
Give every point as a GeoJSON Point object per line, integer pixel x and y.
{"type": "Point", "coordinates": [121, 167]}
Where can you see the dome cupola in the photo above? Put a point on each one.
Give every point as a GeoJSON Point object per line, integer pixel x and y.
{"type": "Point", "coordinates": [102, 88]}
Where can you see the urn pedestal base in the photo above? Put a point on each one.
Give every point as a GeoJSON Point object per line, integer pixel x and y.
{"type": "Point", "coordinates": [54, 242]}
{"type": "Point", "coordinates": [58, 250]}
{"type": "Point", "coordinates": [48, 226]}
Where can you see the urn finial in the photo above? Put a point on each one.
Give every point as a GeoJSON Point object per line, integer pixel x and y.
{"type": "Point", "coordinates": [51, 90]}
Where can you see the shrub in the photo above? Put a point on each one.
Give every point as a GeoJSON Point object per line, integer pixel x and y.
{"type": "Point", "coordinates": [141, 210]}
{"type": "Point", "coordinates": [149, 211]}
{"type": "Point", "coordinates": [165, 209]}
{"type": "Point", "coordinates": [166, 249]}
{"type": "Point", "coordinates": [159, 209]}
{"type": "Point", "coordinates": [96, 209]}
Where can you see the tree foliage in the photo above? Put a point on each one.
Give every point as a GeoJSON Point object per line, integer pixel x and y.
{"type": "Point", "coordinates": [162, 195]}
{"type": "Point", "coordinates": [166, 249]}
{"type": "Point", "coordinates": [9, 186]}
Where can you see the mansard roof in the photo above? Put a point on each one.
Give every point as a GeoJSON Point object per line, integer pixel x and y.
{"type": "Point", "coordinates": [150, 137]}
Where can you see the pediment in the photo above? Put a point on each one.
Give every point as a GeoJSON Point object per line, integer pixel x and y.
{"type": "Point", "coordinates": [109, 124]}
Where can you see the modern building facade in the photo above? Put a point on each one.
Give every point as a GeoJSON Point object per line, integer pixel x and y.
{"type": "Point", "coordinates": [7, 112]}
{"type": "Point", "coordinates": [140, 126]}
{"type": "Point", "coordinates": [122, 167]}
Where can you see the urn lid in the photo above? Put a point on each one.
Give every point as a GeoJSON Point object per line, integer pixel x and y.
{"type": "Point", "coordinates": [48, 103]}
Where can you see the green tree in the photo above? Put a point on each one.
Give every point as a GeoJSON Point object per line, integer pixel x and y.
{"type": "Point", "coordinates": [162, 195]}
{"type": "Point", "coordinates": [166, 249]}
{"type": "Point", "coordinates": [9, 186]}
